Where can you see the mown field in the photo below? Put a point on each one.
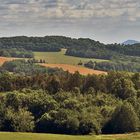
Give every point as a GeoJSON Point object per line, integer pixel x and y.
{"type": "Point", "coordinates": [61, 58]}
{"type": "Point", "coordinates": [67, 63]}
{"type": "Point", "coordinates": [31, 136]}
{"type": "Point", "coordinates": [74, 68]}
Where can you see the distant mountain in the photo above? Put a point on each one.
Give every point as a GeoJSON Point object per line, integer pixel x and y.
{"type": "Point", "coordinates": [130, 42]}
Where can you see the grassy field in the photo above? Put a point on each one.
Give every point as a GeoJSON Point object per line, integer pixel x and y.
{"type": "Point", "coordinates": [31, 136]}
{"type": "Point", "coordinates": [61, 58]}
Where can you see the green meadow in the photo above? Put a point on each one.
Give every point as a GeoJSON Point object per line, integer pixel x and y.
{"type": "Point", "coordinates": [34, 136]}
{"type": "Point", "coordinates": [61, 58]}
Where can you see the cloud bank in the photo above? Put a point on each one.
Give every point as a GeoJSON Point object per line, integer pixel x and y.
{"type": "Point", "coordinates": [105, 20]}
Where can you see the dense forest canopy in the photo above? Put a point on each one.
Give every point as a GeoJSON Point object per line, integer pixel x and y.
{"type": "Point", "coordinates": [48, 43]}
{"type": "Point", "coordinates": [64, 103]}
{"type": "Point", "coordinates": [94, 49]}
{"type": "Point", "coordinates": [82, 47]}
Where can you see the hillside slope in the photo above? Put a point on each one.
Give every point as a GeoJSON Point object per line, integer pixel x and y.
{"type": "Point", "coordinates": [130, 42]}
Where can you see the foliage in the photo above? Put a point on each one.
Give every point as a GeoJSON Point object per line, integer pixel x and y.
{"type": "Point", "coordinates": [26, 67]}
{"type": "Point", "coordinates": [123, 120]}
{"type": "Point", "coordinates": [93, 49]}
{"type": "Point", "coordinates": [115, 66]}
{"type": "Point", "coordinates": [18, 121]}
{"type": "Point", "coordinates": [122, 57]}
{"type": "Point", "coordinates": [16, 52]}
{"type": "Point", "coordinates": [67, 103]}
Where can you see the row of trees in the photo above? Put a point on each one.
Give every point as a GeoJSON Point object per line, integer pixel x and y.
{"type": "Point", "coordinates": [36, 61]}
{"type": "Point", "coordinates": [114, 66]}
{"type": "Point", "coordinates": [27, 67]}
{"type": "Point", "coordinates": [16, 52]}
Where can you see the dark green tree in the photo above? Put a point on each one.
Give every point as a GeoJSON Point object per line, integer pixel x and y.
{"type": "Point", "coordinates": [123, 120]}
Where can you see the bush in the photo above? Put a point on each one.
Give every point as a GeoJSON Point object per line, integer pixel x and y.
{"type": "Point", "coordinates": [123, 120]}
{"type": "Point", "coordinates": [19, 121]}
{"type": "Point", "coordinates": [88, 126]}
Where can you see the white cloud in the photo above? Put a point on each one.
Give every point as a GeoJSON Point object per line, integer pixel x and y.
{"type": "Point", "coordinates": [103, 15]}
{"type": "Point", "coordinates": [71, 9]}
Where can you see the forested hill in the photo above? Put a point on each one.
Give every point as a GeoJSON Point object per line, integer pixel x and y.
{"type": "Point", "coordinates": [47, 43]}
{"type": "Point", "coordinates": [82, 47]}
{"type": "Point", "coordinates": [91, 49]}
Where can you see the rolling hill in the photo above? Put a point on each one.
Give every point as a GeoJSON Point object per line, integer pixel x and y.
{"type": "Point", "coordinates": [130, 42]}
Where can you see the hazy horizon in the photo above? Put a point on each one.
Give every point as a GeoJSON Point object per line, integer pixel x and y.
{"type": "Point", "coordinates": [107, 21]}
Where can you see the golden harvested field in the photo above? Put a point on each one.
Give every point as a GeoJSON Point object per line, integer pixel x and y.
{"type": "Point", "coordinates": [4, 59]}
{"type": "Point", "coordinates": [65, 67]}
{"type": "Point", "coordinates": [72, 69]}
{"type": "Point", "coordinates": [67, 63]}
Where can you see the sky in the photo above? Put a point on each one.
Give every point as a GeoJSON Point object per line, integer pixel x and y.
{"type": "Point", "coordinates": [107, 21]}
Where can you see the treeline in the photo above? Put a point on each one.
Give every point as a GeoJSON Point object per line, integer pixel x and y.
{"type": "Point", "coordinates": [113, 66]}
{"type": "Point", "coordinates": [98, 53]}
{"type": "Point", "coordinates": [93, 49]}
{"type": "Point", "coordinates": [70, 103]}
{"type": "Point", "coordinates": [82, 47]}
{"type": "Point", "coordinates": [131, 50]}
{"type": "Point", "coordinates": [16, 52]}
{"type": "Point", "coordinates": [42, 44]}
{"type": "Point", "coordinates": [27, 67]}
